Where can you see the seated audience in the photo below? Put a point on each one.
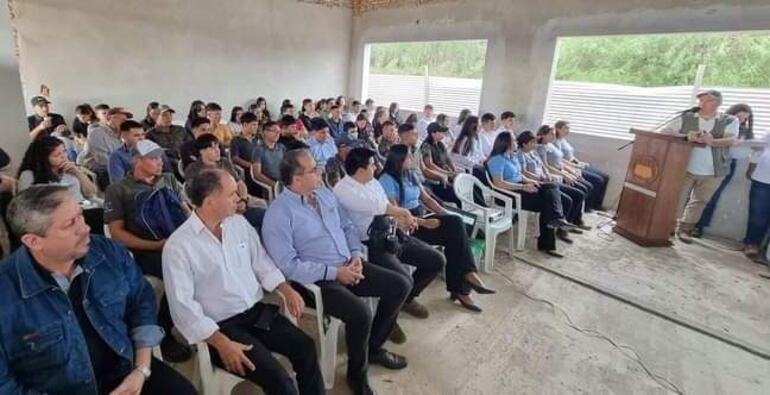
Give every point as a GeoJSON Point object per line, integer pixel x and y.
{"type": "Point", "coordinates": [287, 109]}
{"type": "Point", "coordinates": [120, 162]}
{"type": "Point", "coordinates": [236, 124]}
{"type": "Point", "coordinates": [488, 133]}
{"type": "Point", "coordinates": [45, 162]}
{"type": "Point", "coordinates": [102, 141]}
{"type": "Point", "coordinates": [423, 122]}
{"type": "Point", "coordinates": [243, 145]}
{"type": "Point", "coordinates": [336, 125]}
{"type": "Point", "coordinates": [326, 250]}
{"type": "Point", "coordinates": [43, 122]}
{"type": "Point", "coordinates": [534, 168]}
{"type": "Point", "coordinates": [223, 132]}
{"type": "Point", "coordinates": [554, 159]}
{"type": "Point", "coordinates": [261, 109]}
{"type": "Point", "coordinates": [122, 217]}
{"type": "Point", "coordinates": [101, 111]}
{"type": "Point", "coordinates": [438, 166]}
{"type": "Point", "coordinates": [94, 334]}
{"type": "Point", "coordinates": [433, 225]}
{"type": "Point", "coordinates": [321, 143]}
{"type": "Point", "coordinates": [394, 114]}
{"type": "Point", "coordinates": [364, 128]}
{"type": "Point", "coordinates": [293, 133]}
{"type": "Point", "coordinates": [266, 157]}
{"type": "Point", "coordinates": [352, 112]}
{"type": "Point", "coordinates": [216, 274]}
{"type": "Point", "coordinates": [506, 173]}
{"type": "Point", "coordinates": [197, 110]}
{"type": "Point", "coordinates": [454, 131]}
{"type": "Point", "coordinates": [378, 121]}
{"type": "Point", "coordinates": [189, 150]}
{"type": "Point", "coordinates": [758, 226]}
{"type": "Point", "coordinates": [308, 113]}
{"type": "Point", "coordinates": [468, 144]}
{"type": "Point", "coordinates": [167, 135]}
{"type": "Point", "coordinates": [411, 120]}
{"type": "Point", "coordinates": [84, 117]}
{"type": "Point", "coordinates": [151, 115]}
{"type": "Point", "coordinates": [596, 177]}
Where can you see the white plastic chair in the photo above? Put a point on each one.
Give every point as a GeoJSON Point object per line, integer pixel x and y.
{"type": "Point", "coordinates": [492, 219]}
{"type": "Point", "coordinates": [328, 335]}
{"type": "Point", "coordinates": [523, 215]}
{"type": "Point", "coordinates": [461, 163]}
{"type": "Point", "coordinates": [272, 192]}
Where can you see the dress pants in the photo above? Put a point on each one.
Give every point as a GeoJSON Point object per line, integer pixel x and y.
{"type": "Point", "coordinates": [548, 202]}
{"type": "Point", "coordinates": [452, 236]}
{"type": "Point", "coordinates": [711, 206]}
{"type": "Point", "coordinates": [364, 334]}
{"type": "Point", "coordinates": [698, 191]}
{"type": "Point", "coordinates": [282, 337]}
{"type": "Point", "coordinates": [599, 181]}
{"type": "Point", "coordinates": [150, 264]}
{"type": "Point", "coordinates": [427, 261]}
{"type": "Point", "coordinates": [759, 213]}
{"type": "Point", "coordinates": [163, 381]}
{"type": "Point", "coordinates": [573, 198]}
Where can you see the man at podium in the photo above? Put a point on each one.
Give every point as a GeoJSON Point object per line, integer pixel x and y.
{"type": "Point", "coordinates": [708, 165]}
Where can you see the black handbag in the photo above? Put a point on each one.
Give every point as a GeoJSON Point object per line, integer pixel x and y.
{"type": "Point", "coordinates": [384, 235]}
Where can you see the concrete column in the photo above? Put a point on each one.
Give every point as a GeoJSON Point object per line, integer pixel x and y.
{"type": "Point", "coordinates": [13, 138]}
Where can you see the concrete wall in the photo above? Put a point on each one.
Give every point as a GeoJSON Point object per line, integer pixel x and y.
{"type": "Point", "coordinates": [13, 138]}
{"type": "Point", "coordinates": [131, 52]}
{"type": "Point", "coordinates": [522, 39]}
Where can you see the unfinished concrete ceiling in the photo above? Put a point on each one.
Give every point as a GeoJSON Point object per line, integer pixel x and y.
{"type": "Point", "coordinates": [363, 6]}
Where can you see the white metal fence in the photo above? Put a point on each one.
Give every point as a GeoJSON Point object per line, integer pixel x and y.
{"type": "Point", "coordinates": [590, 107]}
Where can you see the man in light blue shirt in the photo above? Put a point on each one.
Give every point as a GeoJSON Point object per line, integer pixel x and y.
{"type": "Point", "coordinates": [321, 144]}
{"type": "Point", "coordinates": [312, 240]}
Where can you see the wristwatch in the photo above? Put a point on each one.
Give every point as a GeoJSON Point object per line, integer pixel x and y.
{"type": "Point", "coordinates": [144, 370]}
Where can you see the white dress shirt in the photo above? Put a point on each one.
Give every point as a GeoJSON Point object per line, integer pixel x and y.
{"type": "Point", "coordinates": [422, 127]}
{"type": "Point", "coordinates": [762, 159]}
{"type": "Point", "coordinates": [208, 281]}
{"type": "Point", "coordinates": [487, 140]}
{"type": "Point", "coordinates": [361, 201]}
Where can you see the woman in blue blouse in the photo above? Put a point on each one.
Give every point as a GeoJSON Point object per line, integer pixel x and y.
{"type": "Point", "coordinates": [545, 198]}
{"type": "Point", "coordinates": [533, 167]}
{"type": "Point", "coordinates": [596, 177]}
{"type": "Point", "coordinates": [554, 159]}
{"type": "Point", "coordinates": [403, 189]}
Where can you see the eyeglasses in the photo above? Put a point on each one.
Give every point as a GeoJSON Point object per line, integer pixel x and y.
{"type": "Point", "coordinates": [315, 170]}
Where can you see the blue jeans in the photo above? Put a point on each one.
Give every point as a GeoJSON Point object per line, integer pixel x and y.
{"type": "Point", "coordinates": [711, 206]}
{"type": "Point", "coordinates": [759, 213]}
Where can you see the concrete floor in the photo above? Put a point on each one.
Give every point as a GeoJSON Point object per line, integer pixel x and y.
{"type": "Point", "coordinates": [522, 346]}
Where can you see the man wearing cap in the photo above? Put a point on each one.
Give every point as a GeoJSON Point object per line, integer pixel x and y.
{"type": "Point", "coordinates": [121, 217]}
{"type": "Point", "coordinates": [101, 142]}
{"type": "Point", "coordinates": [43, 122]}
{"type": "Point", "coordinates": [708, 165]}
{"type": "Point", "coordinates": [167, 135]}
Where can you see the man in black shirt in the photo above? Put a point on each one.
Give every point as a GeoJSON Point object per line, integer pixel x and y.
{"type": "Point", "coordinates": [43, 122]}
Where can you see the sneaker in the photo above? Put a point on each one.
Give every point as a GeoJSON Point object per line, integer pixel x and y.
{"type": "Point", "coordinates": [415, 309]}
{"type": "Point", "coordinates": [173, 351]}
{"type": "Point", "coordinates": [388, 360]}
{"type": "Point", "coordinates": [397, 335]}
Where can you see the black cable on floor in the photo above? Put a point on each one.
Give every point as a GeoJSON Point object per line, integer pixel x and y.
{"type": "Point", "coordinates": [628, 351]}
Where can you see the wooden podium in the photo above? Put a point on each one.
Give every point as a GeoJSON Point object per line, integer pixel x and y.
{"type": "Point", "coordinates": [647, 211]}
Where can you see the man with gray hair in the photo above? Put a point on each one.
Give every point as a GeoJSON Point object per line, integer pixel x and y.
{"type": "Point", "coordinates": [77, 315]}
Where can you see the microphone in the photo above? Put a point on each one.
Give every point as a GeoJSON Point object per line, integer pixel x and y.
{"type": "Point", "coordinates": [668, 119]}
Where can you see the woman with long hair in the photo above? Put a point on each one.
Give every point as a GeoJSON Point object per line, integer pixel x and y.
{"type": "Point", "coordinates": [151, 113]}
{"type": "Point", "coordinates": [380, 116]}
{"type": "Point", "coordinates": [468, 144]}
{"type": "Point", "coordinates": [555, 161]}
{"type": "Point", "coordinates": [45, 162]}
{"type": "Point", "coordinates": [197, 110]}
{"type": "Point", "coordinates": [464, 114]}
{"type": "Point", "coordinates": [394, 114]}
{"type": "Point", "coordinates": [545, 198]}
{"type": "Point", "coordinates": [85, 116]}
{"type": "Point", "coordinates": [262, 108]}
{"type": "Point", "coordinates": [596, 177]}
{"type": "Point", "coordinates": [235, 120]}
{"type": "Point", "coordinates": [308, 112]}
{"type": "Point", "coordinates": [437, 228]}
{"type": "Point", "coordinates": [745, 118]}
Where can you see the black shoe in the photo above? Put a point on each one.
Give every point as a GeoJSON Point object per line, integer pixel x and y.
{"type": "Point", "coordinates": [561, 234]}
{"type": "Point", "coordinates": [388, 360]}
{"type": "Point", "coordinates": [467, 306]}
{"type": "Point", "coordinates": [697, 233]}
{"type": "Point", "coordinates": [173, 351]}
{"type": "Point", "coordinates": [397, 335]}
{"type": "Point", "coordinates": [480, 289]}
{"type": "Point", "coordinates": [553, 253]}
{"type": "Point", "coordinates": [575, 231]}
{"type": "Point", "coordinates": [560, 223]}
{"type": "Point", "coordinates": [583, 226]}
{"type": "Point", "coordinates": [415, 309]}
{"type": "Point", "coordinates": [361, 387]}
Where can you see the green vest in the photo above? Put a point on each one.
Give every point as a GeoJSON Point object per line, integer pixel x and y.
{"type": "Point", "coordinates": [721, 155]}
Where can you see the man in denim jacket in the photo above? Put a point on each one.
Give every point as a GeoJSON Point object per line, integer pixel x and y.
{"type": "Point", "coordinates": [77, 316]}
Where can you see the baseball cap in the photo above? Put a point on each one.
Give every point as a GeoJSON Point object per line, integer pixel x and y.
{"type": "Point", "coordinates": [435, 127]}
{"type": "Point", "coordinates": [120, 110]}
{"type": "Point", "coordinates": [147, 149]}
{"type": "Point", "coordinates": [712, 92]}
{"type": "Point", "coordinates": [166, 108]}
{"type": "Point", "coordinates": [39, 100]}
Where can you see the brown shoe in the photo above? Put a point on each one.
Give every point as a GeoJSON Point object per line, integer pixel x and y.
{"type": "Point", "coordinates": [751, 251]}
{"type": "Point", "coordinates": [397, 335]}
{"type": "Point", "coordinates": [684, 236]}
{"type": "Point", "coordinates": [415, 309]}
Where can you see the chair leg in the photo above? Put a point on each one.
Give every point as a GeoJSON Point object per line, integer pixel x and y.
{"type": "Point", "coordinates": [489, 251]}
{"type": "Point", "coordinates": [511, 242]}
{"type": "Point", "coordinates": [329, 353]}
{"type": "Point", "coordinates": [521, 228]}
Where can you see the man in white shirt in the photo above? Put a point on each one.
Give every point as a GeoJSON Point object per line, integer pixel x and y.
{"type": "Point", "coordinates": [215, 270]}
{"type": "Point", "coordinates": [363, 198]}
{"type": "Point", "coordinates": [507, 123]}
{"type": "Point", "coordinates": [708, 165]}
{"type": "Point", "coordinates": [758, 224]}
{"type": "Point", "coordinates": [425, 120]}
{"type": "Point", "coordinates": [487, 134]}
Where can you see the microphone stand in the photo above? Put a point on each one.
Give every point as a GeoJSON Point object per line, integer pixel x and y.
{"type": "Point", "coordinates": [668, 119]}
